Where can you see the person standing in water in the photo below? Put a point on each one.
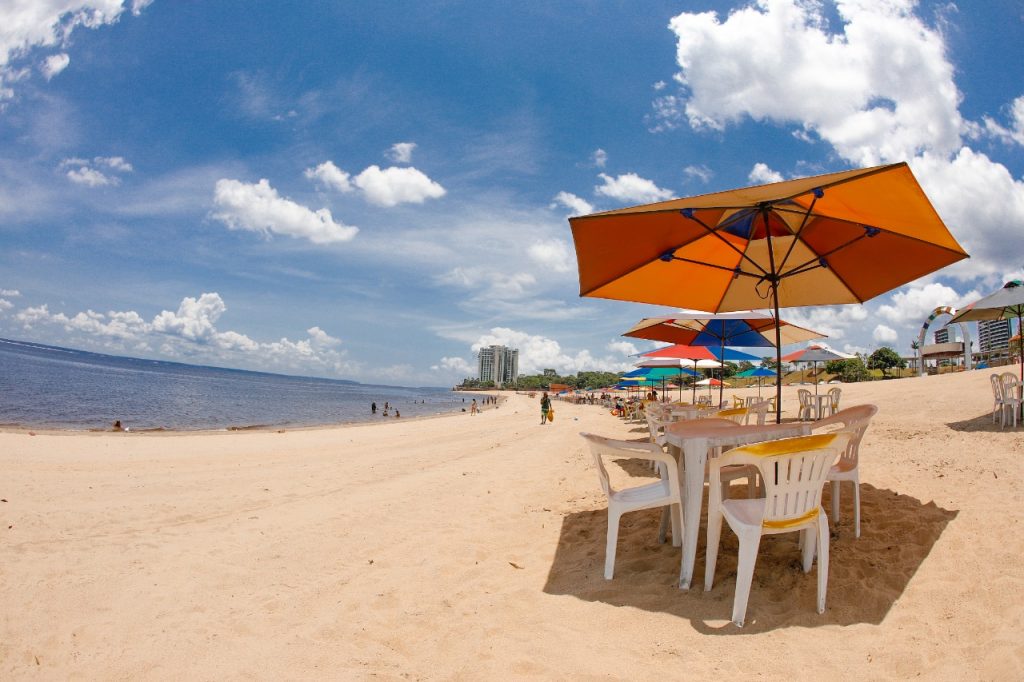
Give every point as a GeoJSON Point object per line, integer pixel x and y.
{"type": "Point", "coordinates": [373, 408]}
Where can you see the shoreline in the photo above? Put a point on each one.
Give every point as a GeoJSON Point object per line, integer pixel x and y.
{"type": "Point", "coordinates": [381, 420]}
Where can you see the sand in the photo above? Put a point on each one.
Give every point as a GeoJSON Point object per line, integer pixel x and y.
{"type": "Point", "coordinates": [471, 547]}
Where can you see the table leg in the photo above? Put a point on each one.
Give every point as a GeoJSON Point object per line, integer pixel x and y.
{"type": "Point", "coordinates": [694, 457]}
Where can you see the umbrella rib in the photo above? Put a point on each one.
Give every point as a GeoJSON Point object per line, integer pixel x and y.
{"type": "Point", "coordinates": [714, 231]}
{"type": "Point", "coordinates": [818, 193]}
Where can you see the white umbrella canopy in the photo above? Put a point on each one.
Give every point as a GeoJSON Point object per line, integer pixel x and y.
{"type": "Point", "coordinates": [814, 354]}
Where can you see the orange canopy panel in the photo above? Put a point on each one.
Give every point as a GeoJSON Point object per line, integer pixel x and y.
{"type": "Point", "coordinates": [836, 238]}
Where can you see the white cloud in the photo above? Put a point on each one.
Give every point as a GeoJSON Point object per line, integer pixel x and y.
{"type": "Point", "coordinates": [330, 176]}
{"type": "Point", "coordinates": [191, 332]}
{"type": "Point", "coordinates": [10, 292]}
{"type": "Point", "coordinates": [455, 365]}
{"type": "Point", "coordinates": [54, 64]}
{"type": "Point", "coordinates": [25, 26]}
{"type": "Point", "coordinates": [537, 353]}
{"type": "Point", "coordinates": [488, 283]}
{"type": "Point", "coordinates": [702, 173]}
{"type": "Point", "coordinates": [401, 152]}
{"type": "Point", "coordinates": [553, 254]}
{"type": "Point", "coordinates": [624, 347]}
{"type": "Point", "coordinates": [577, 205]}
{"type": "Point", "coordinates": [913, 304]}
{"type": "Point", "coordinates": [1015, 131]}
{"type": "Point", "coordinates": [599, 157]}
{"type": "Point", "coordinates": [761, 174]}
{"type": "Point", "coordinates": [195, 319]}
{"type": "Point", "coordinates": [259, 208]}
{"type": "Point", "coordinates": [90, 177]}
{"type": "Point", "coordinates": [884, 334]}
{"type": "Point", "coordinates": [393, 186]}
{"type": "Point", "coordinates": [85, 172]}
{"type": "Point", "coordinates": [880, 90]}
{"type": "Point", "coordinates": [630, 187]}
{"type": "Point", "coordinates": [981, 203]}
{"type": "Point", "coordinates": [5, 304]}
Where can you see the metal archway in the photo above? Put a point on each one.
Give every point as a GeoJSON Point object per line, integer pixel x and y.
{"type": "Point", "coordinates": [964, 331]}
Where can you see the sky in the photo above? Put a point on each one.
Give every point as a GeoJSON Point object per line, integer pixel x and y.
{"type": "Point", "coordinates": [373, 191]}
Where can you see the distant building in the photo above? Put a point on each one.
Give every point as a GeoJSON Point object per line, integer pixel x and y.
{"type": "Point", "coordinates": [942, 335]}
{"type": "Point", "coordinates": [993, 335]}
{"type": "Point", "coordinates": [498, 364]}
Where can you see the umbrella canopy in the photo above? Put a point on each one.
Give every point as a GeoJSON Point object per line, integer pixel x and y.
{"type": "Point", "coordinates": [710, 382]}
{"type": "Point", "coordinates": [1007, 303]}
{"type": "Point", "coordinates": [665, 368]}
{"type": "Point", "coordinates": [744, 328]}
{"type": "Point", "coordinates": [697, 357]}
{"type": "Point", "coordinates": [837, 238]}
{"type": "Point", "coordinates": [756, 372]}
{"type": "Point", "coordinates": [814, 354]}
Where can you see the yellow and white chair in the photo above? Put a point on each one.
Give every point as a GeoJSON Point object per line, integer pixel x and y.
{"type": "Point", "coordinates": [662, 493]}
{"type": "Point", "coordinates": [793, 472]}
{"type": "Point", "coordinates": [808, 408]}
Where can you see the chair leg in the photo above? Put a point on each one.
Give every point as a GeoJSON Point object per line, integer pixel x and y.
{"type": "Point", "coordinates": [677, 525]}
{"type": "Point", "coordinates": [856, 507]}
{"type": "Point", "coordinates": [711, 552]}
{"type": "Point", "coordinates": [810, 540]}
{"type": "Point", "coordinates": [613, 538]}
{"type": "Point", "coordinates": [745, 575]}
{"type": "Point", "coordinates": [835, 500]}
{"type": "Point", "coordinates": [822, 561]}
{"type": "Point", "coordinates": [663, 528]}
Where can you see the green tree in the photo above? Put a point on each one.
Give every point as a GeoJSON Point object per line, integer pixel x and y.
{"type": "Point", "coordinates": [851, 371]}
{"type": "Point", "coordinates": [886, 358]}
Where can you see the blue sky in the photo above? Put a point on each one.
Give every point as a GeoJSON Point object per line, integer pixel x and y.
{"type": "Point", "coordinates": [373, 190]}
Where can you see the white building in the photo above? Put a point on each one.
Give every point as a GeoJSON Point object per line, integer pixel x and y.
{"type": "Point", "coordinates": [498, 364]}
{"type": "Point", "coordinates": [993, 335]}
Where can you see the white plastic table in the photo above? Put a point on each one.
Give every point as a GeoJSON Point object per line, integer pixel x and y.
{"type": "Point", "coordinates": [694, 438]}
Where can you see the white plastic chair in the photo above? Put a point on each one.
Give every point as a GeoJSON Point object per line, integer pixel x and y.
{"type": "Point", "coordinates": [664, 492]}
{"type": "Point", "coordinates": [808, 408]}
{"type": "Point", "coordinates": [854, 420]}
{"type": "Point", "coordinates": [833, 401]}
{"type": "Point", "coordinates": [793, 471]}
{"type": "Point", "coordinates": [1009, 386]}
{"type": "Point", "coordinates": [997, 395]}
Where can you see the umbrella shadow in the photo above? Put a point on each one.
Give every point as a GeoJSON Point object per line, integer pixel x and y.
{"type": "Point", "coordinates": [867, 575]}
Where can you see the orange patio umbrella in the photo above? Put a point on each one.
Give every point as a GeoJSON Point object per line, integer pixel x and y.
{"type": "Point", "coordinates": [837, 238]}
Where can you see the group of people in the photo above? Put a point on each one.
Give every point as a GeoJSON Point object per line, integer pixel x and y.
{"type": "Point", "coordinates": [387, 406]}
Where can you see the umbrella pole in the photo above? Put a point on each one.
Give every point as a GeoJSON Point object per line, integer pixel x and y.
{"type": "Point", "coordinates": [1020, 350]}
{"type": "Point", "coordinates": [778, 353]}
{"type": "Point", "coordinates": [814, 375]}
{"type": "Point", "coordinates": [693, 385]}
{"type": "Point", "coordinates": [721, 375]}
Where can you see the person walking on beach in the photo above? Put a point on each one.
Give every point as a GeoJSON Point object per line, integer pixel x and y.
{"type": "Point", "coordinates": [473, 407]}
{"type": "Point", "coordinates": [545, 407]}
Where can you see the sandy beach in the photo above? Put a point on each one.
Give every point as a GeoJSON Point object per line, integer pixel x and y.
{"type": "Point", "coordinates": [471, 547]}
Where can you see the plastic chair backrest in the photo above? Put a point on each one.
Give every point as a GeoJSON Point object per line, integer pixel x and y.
{"type": "Point", "coordinates": [737, 401]}
{"type": "Point", "coordinates": [794, 471]}
{"type": "Point", "coordinates": [601, 447]}
{"type": "Point", "coordinates": [1008, 383]}
{"type": "Point", "coordinates": [997, 386]}
{"type": "Point", "coordinates": [833, 395]}
{"type": "Point", "coordinates": [854, 420]}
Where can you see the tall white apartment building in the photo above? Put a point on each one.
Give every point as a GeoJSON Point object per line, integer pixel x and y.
{"type": "Point", "coordinates": [993, 335]}
{"type": "Point", "coordinates": [498, 364]}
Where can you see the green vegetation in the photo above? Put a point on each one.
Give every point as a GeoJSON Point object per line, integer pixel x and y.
{"type": "Point", "coordinates": [885, 358]}
{"type": "Point", "coordinates": [536, 382]}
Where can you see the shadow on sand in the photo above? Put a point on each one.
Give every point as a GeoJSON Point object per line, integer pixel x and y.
{"type": "Point", "coordinates": [866, 577]}
{"type": "Point", "coordinates": [985, 423]}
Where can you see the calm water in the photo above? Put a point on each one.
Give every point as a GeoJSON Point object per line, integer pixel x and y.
{"type": "Point", "coordinates": [47, 387]}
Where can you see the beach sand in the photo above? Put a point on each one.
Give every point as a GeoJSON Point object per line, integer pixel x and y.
{"type": "Point", "coordinates": [471, 547]}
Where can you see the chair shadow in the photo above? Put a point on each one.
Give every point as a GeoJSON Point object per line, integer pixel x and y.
{"type": "Point", "coordinates": [983, 423]}
{"type": "Point", "coordinates": [867, 575]}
